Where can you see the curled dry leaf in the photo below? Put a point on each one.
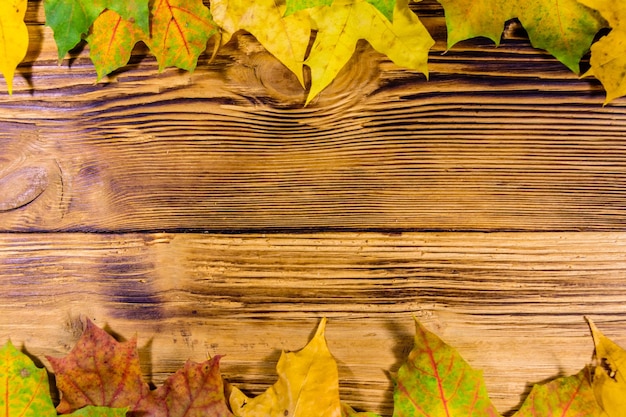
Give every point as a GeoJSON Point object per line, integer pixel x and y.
{"type": "Point", "coordinates": [308, 385]}
{"type": "Point", "coordinates": [608, 60]}
{"type": "Point", "coordinates": [609, 378]}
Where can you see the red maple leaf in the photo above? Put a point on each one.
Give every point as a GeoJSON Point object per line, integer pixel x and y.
{"type": "Point", "coordinates": [101, 371]}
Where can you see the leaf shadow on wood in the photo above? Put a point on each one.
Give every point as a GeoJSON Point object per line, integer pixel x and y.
{"type": "Point", "coordinates": [139, 55]}
{"type": "Point", "coordinates": [403, 346]}
{"type": "Point", "coordinates": [52, 387]}
{"type": "Point", "coordinates": [35, 46]}
{"type": "Point", "coordinates": [527, 388]}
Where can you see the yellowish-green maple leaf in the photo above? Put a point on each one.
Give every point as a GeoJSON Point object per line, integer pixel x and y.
{"type": "Point", "coordinates": [24, 388]}
{"type": "Point", "coordinates": [608, 55]}
{"type": "Point", "coordinates": [180, 30]}
{"type": "Point", "coordinates": [308, 385]}
{"type": "Point", "coordinates": [564, 28]}
{"type": "Point", "coordinates": [111, 42]}
{"type": "Point", "coordinates": [13, 38]}
{"type": "Point", "coordinates": [570, 396]}
{"type": "Point", "coordinates": [285, 37]}
{"type": "Point", "coordinates": [340, 26]}
{"type": "Point", "coordinates": [436, 381]}
{"type": "Point", "coordinates": [609, 378]}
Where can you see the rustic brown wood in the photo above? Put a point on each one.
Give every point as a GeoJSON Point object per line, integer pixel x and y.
{"type": "Point", "coordinates": [513, 304]}
{"type": "Point", "coordinates": [295, 201]}
{"type": "Point", "coordinates": [498, 139]}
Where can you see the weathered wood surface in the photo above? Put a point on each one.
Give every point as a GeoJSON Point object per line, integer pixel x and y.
{"type": "Point", "coordinates": [511, 303]}
{"type": "Point", "coordinates": [498, 139]}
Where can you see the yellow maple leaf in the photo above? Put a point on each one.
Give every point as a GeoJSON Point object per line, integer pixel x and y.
{"type": "Point", "coordinates": [285, 37]}
{"type": "Point", "coordinates": [608, 60]}
{"type": "Point", "coordinates": [308, 385]}
{"type": "Point", "coordinates": [609, 378]}
{"type": "Point", "coordinates": [340, 26]}
{"type": "Point", "coordinates": [13, 38]}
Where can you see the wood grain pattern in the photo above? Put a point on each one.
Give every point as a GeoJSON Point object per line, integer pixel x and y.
{"type": "Point", "coordinates": [498, 139]}
{"type": "Point", "coordinates": [512, 303]}
{"type": "Point", "coordinates": [292, 201]}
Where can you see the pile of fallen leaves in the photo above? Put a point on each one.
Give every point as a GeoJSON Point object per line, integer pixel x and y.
{"type": "Point", "coordinates": [178, 31]}
{"type": "Point", "coordinates": [102, 377]}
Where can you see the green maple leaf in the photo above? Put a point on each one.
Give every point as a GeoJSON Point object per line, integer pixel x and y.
{"type": "Point", "coordinates": [285, 37]}
{"type": "Point", "coordinates": [405, 41]}
{"type": "Point", "coordinates": [24, 388]}
{"type": "Point", "coordinates": [436, 381]}
{"type": "Point", "coordinates": [564, 28]}
{"type": "Point", "coordinates": [608, 61]}
{"type": "Point", "coordinates": [70, 20]}
{"type": "Point", "coordinates": [570, 396]}
{"type": "Point", "coordinates": [180, 30]}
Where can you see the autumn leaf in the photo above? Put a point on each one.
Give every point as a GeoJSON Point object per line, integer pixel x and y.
{"type": "Point", "coordinates": [180, 31]}
{"type": "Point", "coordinates": [285, 37]}
{"type": "Point", "coordinates": [609, 378]}
{"type": "Point", "coordinates": [197, 390]}
{"type": "Point", "coordinates": [608, 61]}
{"type": "Point", "coordinates": [570, 396]}
{"type": "Point", "coordinates": [405, 41]}
{"type": "Point", "coordinates": [111, 42]}
{"type": "Point", "coordinates": [13, 38]}
{"type": "Point", "coordinates": [308, 384]}
{"type": "Point", "coordinates": [101, 371]}
{"type": "Point", "coordinates": [24, 388]}
{"type": "Point", "coordinates": [436, 381]}
{"type": "Point", "coordinates": [564, 28]}
{"type": "Point", "coordinates": [70, 20]}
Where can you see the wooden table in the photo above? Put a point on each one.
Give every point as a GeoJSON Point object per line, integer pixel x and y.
{"type": "Point", "coordinates": [211, 213]}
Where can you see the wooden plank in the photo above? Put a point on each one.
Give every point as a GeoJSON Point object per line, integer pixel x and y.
{"type": "Point", "coordinates": [498, 139]}
{"type": "Point", "coordinates": [511, 303]}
